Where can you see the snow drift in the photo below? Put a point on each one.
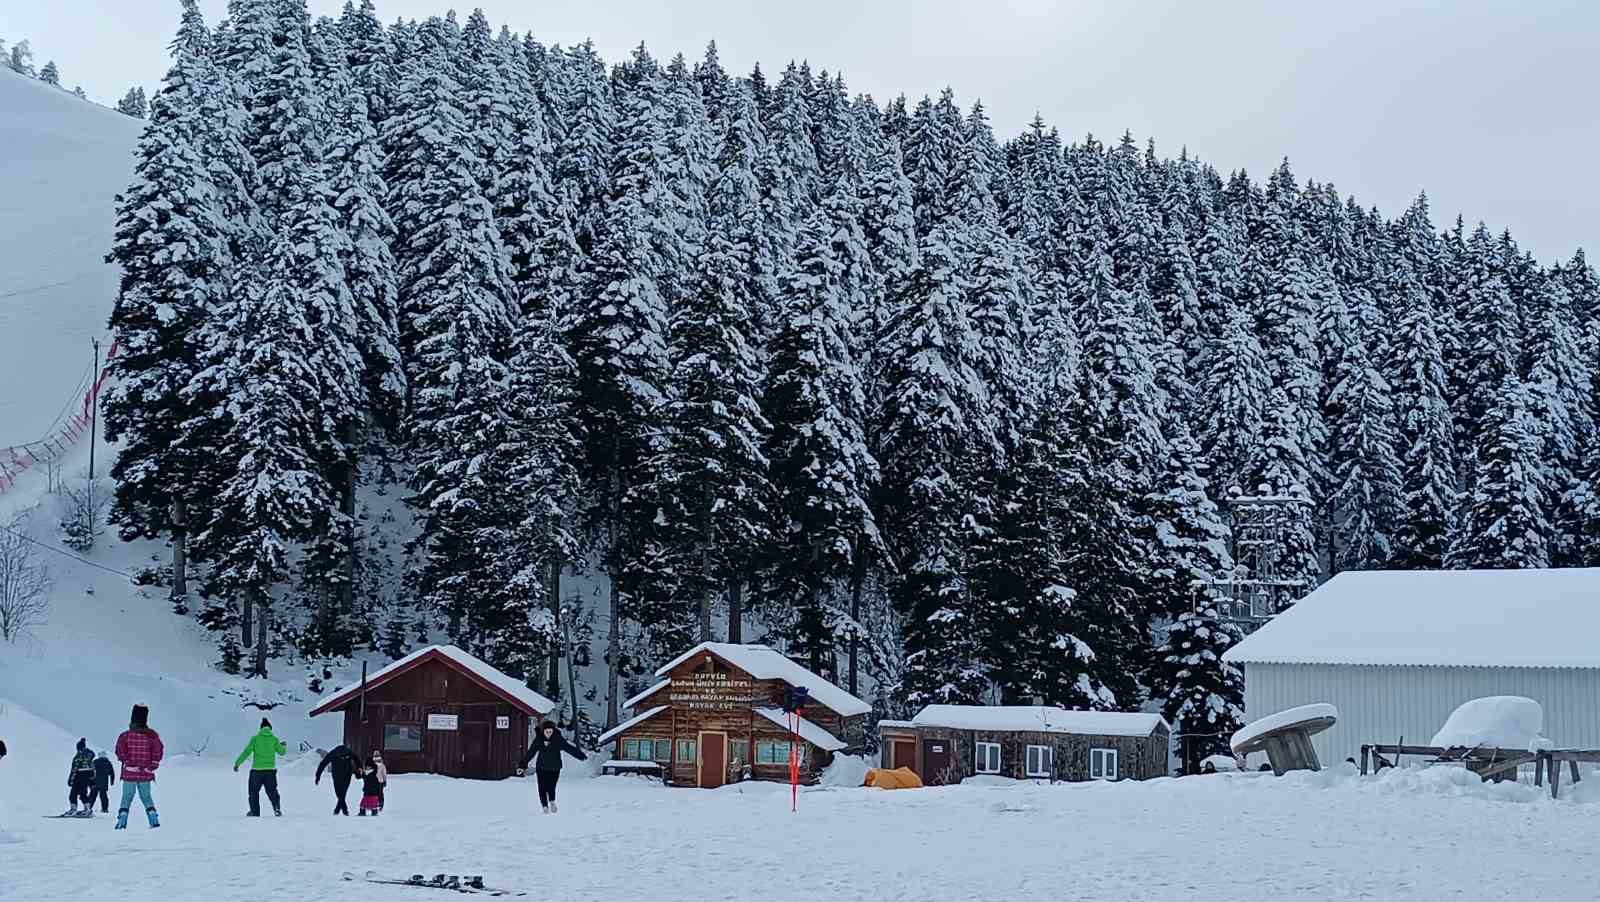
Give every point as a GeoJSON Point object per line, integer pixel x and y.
{"type": "Point", "coordinates": [1498, 721]}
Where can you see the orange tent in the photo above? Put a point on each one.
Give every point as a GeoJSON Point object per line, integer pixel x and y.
{"type": "Point", "coordinates": [899, 778]}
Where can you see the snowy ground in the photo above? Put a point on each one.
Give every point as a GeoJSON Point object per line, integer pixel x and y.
{"type": "Point", "coordinates": [1327, 836]}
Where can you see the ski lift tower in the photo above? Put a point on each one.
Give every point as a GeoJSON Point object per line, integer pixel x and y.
{"type": "Point", "coordinates": [1257, 590]}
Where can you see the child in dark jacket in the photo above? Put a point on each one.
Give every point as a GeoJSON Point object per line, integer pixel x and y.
{"type": "Point", "coordinates": [371, 789]}
{"type": "Point", "coordinates": [80, 776]}
{"type": "Point", "coordinates": [104, 775]}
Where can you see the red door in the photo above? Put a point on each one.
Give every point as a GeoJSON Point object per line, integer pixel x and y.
{"type": "Point", "coordinates": [713, 760]}
{"type": "Point", "coordinates": [903, 753]}
{"type": "Point", "coordinates": [475, 750]}
{"type": "Point", "coordinates": [936, 757]}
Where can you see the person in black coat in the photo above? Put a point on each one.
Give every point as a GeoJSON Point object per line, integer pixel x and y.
{"type": "Point", "coordinates": [105, 774]}
{"type": "Point", "coordinates": [344, 764]}
{"type": "Point", "coordinates": [545, 755]}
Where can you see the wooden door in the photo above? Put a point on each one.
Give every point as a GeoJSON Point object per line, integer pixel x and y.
{"type": "Point", "coordinates": [936, 758]}
{"type": "Point", "coordinates": [713, 760]}
{"type": "Point", "coordinates": [475, 750]}
{"type": "Point", "coordinates": [903, 753]}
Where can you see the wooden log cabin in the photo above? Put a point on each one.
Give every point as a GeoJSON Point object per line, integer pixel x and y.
{"type": "Point", "coordinates": [947, 743]}
{"type": "Point", "coordinates": [440, 710]}
{"type": "Point", "coordinates": [716, 717]}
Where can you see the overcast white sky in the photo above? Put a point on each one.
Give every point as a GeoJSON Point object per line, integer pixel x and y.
{"type": "Point", "coordinates": [1490, 106]}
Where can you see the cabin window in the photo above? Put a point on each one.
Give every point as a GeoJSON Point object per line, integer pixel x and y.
{"type": "Point", "coordinates": [663, 750]}
{"type": "Point", "coordinates": [645, 749]}
{"type": "Point", "coordinates": [1040, 759]}
{"type": "Point", "coordinates": [1103, 764]}
{"type": "Point", "coordinates": [738, 752]}
{"type": "Point", "coordinates": [402, 737]}
{"type": "Point", "coordinates": [988, 755]}
{"type": "Point", "coordinates": [686, 751]}
{"type": "Point", "coordinates": [769, 751]}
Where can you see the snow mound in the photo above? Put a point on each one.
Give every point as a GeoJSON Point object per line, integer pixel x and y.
{"type": "Point", "coordinates": [846, 770]}
{"type": "Point", "coordinates": [1261, 727]}
{"type": "Point", "coordinates": [1498, 721]}
{"type": "Point", "coordinates": [989, 780]}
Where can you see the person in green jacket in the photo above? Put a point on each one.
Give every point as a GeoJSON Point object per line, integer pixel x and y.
{"type": "Point", "coordinates": [263, 749]}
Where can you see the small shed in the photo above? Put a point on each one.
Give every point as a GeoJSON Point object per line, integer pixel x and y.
{"type": "Point", "coordinates": [716, 717]}
{"type": "Point", "coordinates": [1397, 651]}
{"type": "Point", "coordinates": [948, 743]}
{"type": "Point", "coordinates": [440, 710]}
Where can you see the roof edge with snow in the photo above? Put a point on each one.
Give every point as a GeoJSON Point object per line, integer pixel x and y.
{"type": "Point", "coordinates": [474, 668]}
{"type": "Point", "coordinates": [628, 724]}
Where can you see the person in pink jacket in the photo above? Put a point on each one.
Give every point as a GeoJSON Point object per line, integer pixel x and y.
{"type": "Point", "coordinates": [139, 749]}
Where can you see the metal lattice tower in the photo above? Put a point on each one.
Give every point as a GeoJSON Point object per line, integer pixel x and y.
{"type": "Point", "coordinates": [1256, 590]}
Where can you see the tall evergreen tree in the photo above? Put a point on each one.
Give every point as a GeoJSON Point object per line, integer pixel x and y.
{"type": "Point", "coordinates": [1504, 524]}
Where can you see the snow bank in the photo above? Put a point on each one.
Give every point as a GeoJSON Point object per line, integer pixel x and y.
{"type": "Point", "coordinates": [846, 770]}
{"type": "Point", "coordinates": [1498, 721]}
{"type": "Point", "coordinates": [989, 780]}
{"type": "Point", "coordinates": [1261, 727]}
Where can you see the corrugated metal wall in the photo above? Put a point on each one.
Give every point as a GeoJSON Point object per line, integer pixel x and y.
{"type": "Point", "coordinates": [1382, 704]}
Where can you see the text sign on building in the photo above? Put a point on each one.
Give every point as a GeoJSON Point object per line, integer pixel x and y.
{"type": "Point", "coordinates": [709, 692]}
{"type": "Point", "coordinates": [442, 721]}
{"type": "Point", "coordinates": [502, 723]}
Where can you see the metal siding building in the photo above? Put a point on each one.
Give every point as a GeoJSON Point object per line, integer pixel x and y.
{"type": "Point", "coordinates": [1396, 652]}
{"type": "Point", "coordinates": [1388, 703]}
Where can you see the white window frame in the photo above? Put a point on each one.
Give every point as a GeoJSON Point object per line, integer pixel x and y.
{"type": "Point", "coordinates": [1047, 760]}
{"type": "Point", "coordinates": [1109, 768]}
{"type": "Point", "coordinates": [978, 753]}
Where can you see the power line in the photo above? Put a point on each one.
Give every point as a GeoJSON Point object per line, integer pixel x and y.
{"type": "Point", "coordinates": [65, 553]}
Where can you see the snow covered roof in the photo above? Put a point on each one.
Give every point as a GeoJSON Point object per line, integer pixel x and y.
{"type": "Point", "coordinates": [809, 731]}
{"type": "Point", "coordinates": [529, 701]}
{"type": "Point", "coordinates": [1038, 719]}
{"type": "Point", "coordinates": [629, 724]}
{"type": "Point", "coordinates": [634, 702]}
{"type": "Point", "coordinates": [896, 724]}
{"type": "Point", "coordinates": [1439, 618]}
{"type": "Point", "coordinates": [766, 663]}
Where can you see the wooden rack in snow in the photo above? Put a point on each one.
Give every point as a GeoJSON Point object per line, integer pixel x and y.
{"type": "Point", "coordinates": [1488, 763]}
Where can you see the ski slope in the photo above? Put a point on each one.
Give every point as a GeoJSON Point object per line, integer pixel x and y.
{"type": "Point", "coordinates": [106, 643]}
{"type": "Point", "coordinates": [64, 161]}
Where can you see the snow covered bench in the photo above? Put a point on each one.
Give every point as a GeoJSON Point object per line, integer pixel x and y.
{"type": "Point", "coordinates": [616, 767]}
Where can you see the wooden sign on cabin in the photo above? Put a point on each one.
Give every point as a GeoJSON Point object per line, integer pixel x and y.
{"type": "Point", "coordinates": [710, 692]}
{"type": "Point", "coordinates": [443, 721]}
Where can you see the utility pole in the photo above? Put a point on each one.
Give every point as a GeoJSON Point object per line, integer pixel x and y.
{"type": "Point", "coordinates": [94, 404]}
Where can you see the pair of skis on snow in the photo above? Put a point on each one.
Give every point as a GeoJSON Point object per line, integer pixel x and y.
{"type": "Point", "coordinates": [439, 881]}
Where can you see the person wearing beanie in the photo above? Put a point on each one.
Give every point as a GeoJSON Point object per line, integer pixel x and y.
{"type": "Point", "coordinates": [80, 776]}
{"type": "Point", "coordinates": [263, 750]}
{"type": "Point", "coordinates": [139, 749]}
{"type": "Point", "coordinates": [104, 776]}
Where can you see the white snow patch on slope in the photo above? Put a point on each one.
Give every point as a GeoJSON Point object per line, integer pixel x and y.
{"type": "Point", "coordinates": [64, 161]}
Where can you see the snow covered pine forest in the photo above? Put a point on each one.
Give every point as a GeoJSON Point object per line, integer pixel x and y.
{"type": "Point", "coordinates": [951, 416]}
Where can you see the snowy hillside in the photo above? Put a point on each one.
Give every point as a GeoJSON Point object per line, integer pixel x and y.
{"type": "Point", "coordinates": [64, 160]}
{"type": "Point", "coordinates": [105, 643]}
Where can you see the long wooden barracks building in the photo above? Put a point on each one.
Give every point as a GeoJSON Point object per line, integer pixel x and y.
{"type": "Point", "coordinates": [717, 717]}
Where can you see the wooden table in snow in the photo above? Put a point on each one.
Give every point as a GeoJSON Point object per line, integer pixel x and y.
{"type": "Point", "coordinates": [1489, 763]}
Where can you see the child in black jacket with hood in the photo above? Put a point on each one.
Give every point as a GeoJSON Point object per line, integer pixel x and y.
{"type": "Point", "coordinates": [105, 774]}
